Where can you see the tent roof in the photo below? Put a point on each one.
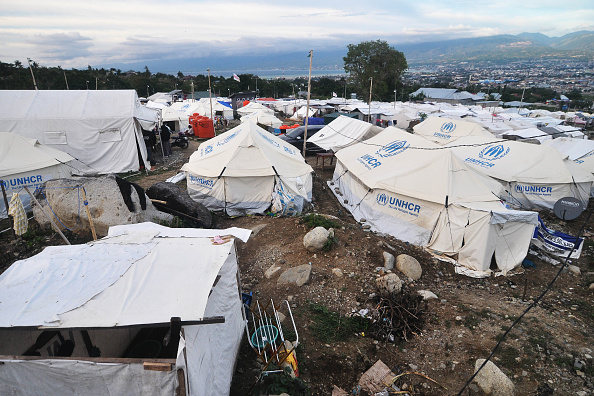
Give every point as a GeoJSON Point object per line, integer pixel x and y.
{"type": "Point", "coordinates": [443, 130]}
{"type": "Point", "coordinates": [246, 150]}
{"type": "Point", "coordinates": [343, 132]}
{"type": "Point", "coordinates": [572, 148]}
{"type": "Point", "coordinates": [516, 161]}
{"type": "Point", "coordinates": [87, 104]}
{"type": "Point", "coordinates": [139, 274]}
{"type": "Point", "coordinates": [19, 154]}
{"type": "Point", "coordinates": [413, 166]}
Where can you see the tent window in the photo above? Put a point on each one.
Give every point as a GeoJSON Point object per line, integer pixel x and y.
{"type": "Point", "coordinates": [54, 137]}
{"type": "Point", "coordinates": [110, 135]}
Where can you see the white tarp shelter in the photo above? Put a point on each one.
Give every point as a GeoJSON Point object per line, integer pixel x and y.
{"type": "Point", "coordinates": [431, 198]}
{"type": "Point", "coordinates": [246, 170]}
{"type": "Point", "coordinates": [443, 130]}
{"type": "Point", "coordinates": [532, 176]}
{"type": "Point", "coordinates": [111, 306]}
{"type": "Point", "coordinates": [25, 162]}
{"type": "Point", "coordinates": [343, 132]}
{"type": "Point", "coordinates": [263, 118]}
{"type": "Point", "coordinates": [101, 129]}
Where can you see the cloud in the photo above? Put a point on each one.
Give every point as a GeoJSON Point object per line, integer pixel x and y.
{"type": "Point", "coordinates": [61, 46]}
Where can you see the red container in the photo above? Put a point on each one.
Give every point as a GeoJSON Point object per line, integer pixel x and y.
{"type": "Point", "coordinates": [205, 128]}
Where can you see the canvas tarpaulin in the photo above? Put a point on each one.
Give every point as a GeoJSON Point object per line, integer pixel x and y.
{"type": "Point", "coordinates": [343, 132]}
{"type": "Point", "coordinates": [408, 187]}
{"type": "Point", "coordinates": [240, 170]}
{"type": "Point", "coordinates": [443, 130]}
{"type": "Point", "coordinates": [101, 129]}
{"type": "Point", "coordinates": [25, 162]}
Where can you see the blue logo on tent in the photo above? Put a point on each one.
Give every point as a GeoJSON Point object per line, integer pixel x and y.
{"type": "Point", "coordinates": [391, 149]}
{"type": "Point", "coordinates": [382, 199]}
{"type": "Point", "coordinates": [448, 127]}
{"type": "Point", "coordinates": [493, 152]}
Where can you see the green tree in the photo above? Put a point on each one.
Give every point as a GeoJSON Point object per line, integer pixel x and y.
{"type": "Point", "coordinates": [379, 60]}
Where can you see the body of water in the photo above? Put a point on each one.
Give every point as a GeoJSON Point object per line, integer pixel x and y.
{"type": "Point", "coordinates": [278, 73]}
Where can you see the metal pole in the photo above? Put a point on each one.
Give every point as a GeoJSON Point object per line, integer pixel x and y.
{"type": "Point", "coordinates": [307, 108]}
{"type": "Point", "coordinates": [46, 215]}
{"type": "Point", "coordinates": [32, 75]}
{"type": "Point", "coordinates": [394, 98]}
{"type": "Point", "coordinates": [370, 89]}
{"type": "Point", "coordinates": [6, 205]}
{"type": "Point", "coordinates": [96, 83]}
{"type": "Point", "coordinates": [209, 93]}
{"type": "Point", "coordinates": [65, 79]}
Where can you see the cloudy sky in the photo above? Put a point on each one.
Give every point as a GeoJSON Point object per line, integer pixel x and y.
{"type": "Point", "coordinates": [80, 33]}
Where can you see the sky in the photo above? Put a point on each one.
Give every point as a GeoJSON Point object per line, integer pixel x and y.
{"type": "Point", "coordinates": [75, 34]}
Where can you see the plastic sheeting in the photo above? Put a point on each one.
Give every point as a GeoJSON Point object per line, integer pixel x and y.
{"type": "Point", "coordinates": [343, 132]}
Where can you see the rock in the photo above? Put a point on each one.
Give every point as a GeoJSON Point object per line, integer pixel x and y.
{"type": "Point", "coordinates": [389, 284]}
{"type": "Point", "coordinates": [336, 391]}
{"type": "Point", "coordinates": [581, 393]}
{"type": "Point", "coordinates": [316, 239]}
{"type": "Point", "coordinates": [389, 261]}
{"type": "Point", "coordinates": [591, 286]}
{"type": "Point", "coordinates": [179, 200]}
{"type": "Point", "coordinates": [458, 318]}
{"type": "Point", "coordinates": [413, 367]}
{"type": "Point", "coordinates": [271, 271]}
{"type": "Point", "coordinates": [337, 272]}
{"type": "Point", "coordinates": [366, 227]}
{"type": "Point", "coordinates": [409, 266]}
{"type": "Point", "coordinates": [427, 295]}
{"type": "Point", "coordinates": [257, 229]}
{"type": "Point", "coordinates": [492, 380]}
{"type": "Point", "coordinates": [574, 269]}
{"type": "Point", "coordinates": [298, 275]}
{"type": "Point", "coordinates": [108, 205]}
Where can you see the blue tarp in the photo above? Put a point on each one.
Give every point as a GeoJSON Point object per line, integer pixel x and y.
{"type": "Point", "coordinates": [315, 121]}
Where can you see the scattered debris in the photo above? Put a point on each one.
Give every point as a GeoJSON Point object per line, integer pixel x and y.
{"type": "Point", "coordinates": [400, 316]}
{"type": "Point", "coordinates": [388, 285]}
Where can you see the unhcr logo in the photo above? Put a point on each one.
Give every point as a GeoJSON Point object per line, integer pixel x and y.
{"type": "Point", "coordinates": [382, 199]}
{"type": "Point", "coordinates": [391, 149]}
{"type": "Point", "coordinates": [448, 127]}
{"type": "Point", "coordinates": [493, 152]}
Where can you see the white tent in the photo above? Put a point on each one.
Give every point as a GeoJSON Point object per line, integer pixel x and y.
{"type": "Point", "coordinates": [263, 118]}
{"type": "Point", "coordinates": [443, 130]}
{"type": "Point", "coordinates": [101, 129]}
{"type": "Point", "coordinates": [25, 162]}
{"type": "Point", "coordinates": [141, 312]}
{"type": "Point", "coordinates": [533, 176]}
{"type": "Point", "coordinates": [412, 189]}
{"type": "Point", "coordinates": [254, 107]}
{"type": "Point", "coordinates": [343, 132]}
{"type": "Point", "coordinates": [245, 170]}
{"type": "Point", "coordinates": [300, 114]}
{"type": "Point", "coordinates": [529, 134]}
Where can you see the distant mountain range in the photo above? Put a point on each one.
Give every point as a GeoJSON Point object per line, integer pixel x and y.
{"type": "Point", "coordinates": [500, 48]}
{"type": "Point", "coordinates": [505, 47]}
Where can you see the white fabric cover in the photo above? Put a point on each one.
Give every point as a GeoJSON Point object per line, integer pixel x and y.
{"type": "Point", "coordinates": [82, 378]}
{"type": "Point", "coordinates": [25, 162]}
{"type": "Point", "coordinates": [533, 176]}
{"type": "Point", "coordinates": [443, 130]}
{"type": "Point", "coordinates": [238, 171]}
{"type": "Point", "coordinates": [263, 118]}
{"type": "Point", "coordinates": [101, 129]}
{"type": "Point", "coordinates": [343, 132]}
{"type": "Point", "coordinates": [110, 282]}
{"type": "Point", "coordinates": [406, 186]}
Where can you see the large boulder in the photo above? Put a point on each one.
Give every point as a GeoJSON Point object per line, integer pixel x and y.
{"type": "Point", "coordinates": [111, 201]}
{"type": "Point", "coordinates": [409, 266]}
{"type": "Point", "coordinates": [492, 380]}
{"type": "Point", "coordinates": [388, 285]}
{"type": "Point", "coordinates": [297, 275]}
{"type": "Point", "coordinates": [178, 200]}
{"type": "Point", "coordinates": [316, 239]}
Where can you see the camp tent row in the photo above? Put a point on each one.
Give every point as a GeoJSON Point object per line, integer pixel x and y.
{"type": "Point", "coordinates": [411, 188]}
{"type": "Point", "coordinates": [531, 176]}
{"type": "Point", "coordinates": [101, 129]}
{"type": "Point", "coordinates": [247, 170]}
{"type": "Point", "coordinates": [135, 313]}
{"type": "Point", "coordinates": [25, 162]}
{"type": "Point", "coordinates": [343, 132]}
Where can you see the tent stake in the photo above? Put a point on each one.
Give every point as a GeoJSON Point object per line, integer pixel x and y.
{"type": "Point", "coordinates": [46, 215]}
{"type": "Point", "coordinates": [89, 213]}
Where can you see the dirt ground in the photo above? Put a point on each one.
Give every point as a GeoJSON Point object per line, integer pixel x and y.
{"type": "Point", "coordinates": [462, 325]}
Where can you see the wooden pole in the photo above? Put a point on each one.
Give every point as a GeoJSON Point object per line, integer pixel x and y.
{"type": "Point", "coordinates": [88, 213]}
{"type": "Point", "coordinates": [6, 205]}
{"type": "Point", "coordinates": [49, 218]}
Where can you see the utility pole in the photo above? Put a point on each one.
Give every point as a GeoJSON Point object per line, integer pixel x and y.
{"type": "Point", "coordinates": [32, 75]}
{"type": "Point", "coordinates": [65, 79]}
{"type": "Point", "coordinates": [370, 89]}
{"type": "Point", "coordinates": [210, 94]}
{"type": "Point", "coordinates": [307, 108]}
